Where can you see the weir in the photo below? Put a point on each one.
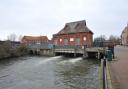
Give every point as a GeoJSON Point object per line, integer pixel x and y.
{"type": "Point", "coordinates": [92, 52]}
{"type": "Point", "coordinates": [70, 51]}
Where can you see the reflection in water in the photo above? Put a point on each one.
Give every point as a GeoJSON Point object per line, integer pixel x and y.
{"type": "Point", "coordinates": [48, 73]}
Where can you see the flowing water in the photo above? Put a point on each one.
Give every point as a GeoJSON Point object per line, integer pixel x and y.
{"type": "Point", "coordinates": [48, 73]}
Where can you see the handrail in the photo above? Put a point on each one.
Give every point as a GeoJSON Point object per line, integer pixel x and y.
{"type": "Point", "coordinates": [105, 82]}
{"type": "Point", "coordinates": [104, 74]}
{"type": "Point", "coordinates": [68, 46]}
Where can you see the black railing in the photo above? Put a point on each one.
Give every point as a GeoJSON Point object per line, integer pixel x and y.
{"type": "Point", "coordinates": [104, 75]}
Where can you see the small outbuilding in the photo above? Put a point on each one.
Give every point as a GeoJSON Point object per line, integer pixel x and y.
{"type": "Point", "coordinates": [27, 40]}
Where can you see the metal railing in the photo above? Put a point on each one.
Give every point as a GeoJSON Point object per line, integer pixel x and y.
{"type": "Point", "coordinates": [40, 46]}
{"type": "Point", "coordinates": [105, 81]}
{"type": "Point", "coordinates": [68, 47]}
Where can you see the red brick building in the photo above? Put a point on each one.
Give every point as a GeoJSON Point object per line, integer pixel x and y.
{"type": "Point", "coordinates": [34, 40]}
{"type": "Point", "coordinates": [74, 33]}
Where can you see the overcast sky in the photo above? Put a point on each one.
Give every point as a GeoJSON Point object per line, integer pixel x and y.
{"type": "Point", "coordinates": [47, 17]}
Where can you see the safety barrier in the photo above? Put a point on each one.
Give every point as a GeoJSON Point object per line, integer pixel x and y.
{"type": "Point", "coordinates": [105, 80]}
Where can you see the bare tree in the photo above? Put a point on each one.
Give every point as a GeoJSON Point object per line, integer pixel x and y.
{"type": "Point", "coordinates": [20, 37]}
{"type": "Point", "coordinates": [12, 37]}
{"type": "Point", "coordinates": [114, 39]}
{"type": "Point", "coordinates": [100, 38]}
{"type": "Point", "coordinates": [99, 41]}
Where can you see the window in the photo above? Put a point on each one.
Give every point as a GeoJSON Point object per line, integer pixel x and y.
{"type": "Point", "coordinates": [84, 38]}
{"type": "Point", "coordinates": [60, 40]}
{"type": "Point", "coordinates": [71, 39]}
{"type": "Point", "coordinates": [65, 41]}
{"type": "Point", "coordinates": [77, 41]}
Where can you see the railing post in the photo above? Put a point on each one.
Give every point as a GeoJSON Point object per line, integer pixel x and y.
{"type": "Point", "coordinates": [85, 52]}
{"type": "Point", "coordinates": [53, 50]}
{"type": "Point", "coordinates": [98, 55]}
{"type": "Point", "coordinates": [75, 52]}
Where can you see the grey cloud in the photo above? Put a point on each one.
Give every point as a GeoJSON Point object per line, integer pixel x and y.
{"type": "Point", "coordinates": [46, 17]}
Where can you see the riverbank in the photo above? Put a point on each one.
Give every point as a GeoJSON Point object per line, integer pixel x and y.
{"type": "Point", "coordinates": [119, 68]}
{"type": "Point", "coordinates": [9, 50]}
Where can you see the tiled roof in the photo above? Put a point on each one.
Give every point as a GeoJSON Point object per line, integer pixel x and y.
{"type": "Point", "coordinates": [74, 27]}
{"type": "Point", "coordinates": [31, 38]}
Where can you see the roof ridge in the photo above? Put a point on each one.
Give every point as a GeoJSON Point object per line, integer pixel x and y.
{"type": "Point", "coordinates": [35, 36]}
{"type": "Point", "coordinates": [76, 21]}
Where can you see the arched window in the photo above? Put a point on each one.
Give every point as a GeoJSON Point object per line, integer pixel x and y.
{"type": "Point", "coordinates": [60, 40]}
{"type": "Point", "coordinates": [84, 38]}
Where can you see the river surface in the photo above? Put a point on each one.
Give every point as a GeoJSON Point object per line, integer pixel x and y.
{"type": "Point", "coordinates": [48, 73]}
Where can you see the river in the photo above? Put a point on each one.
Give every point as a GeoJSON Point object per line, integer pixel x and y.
{"type": "Point", "coordinates": [48, 73]}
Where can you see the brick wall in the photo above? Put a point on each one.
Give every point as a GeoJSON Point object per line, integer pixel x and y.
{"type": "Point", "coordinates": [84, 39]}
{"type": "Point", "coordinates": [33, 40]}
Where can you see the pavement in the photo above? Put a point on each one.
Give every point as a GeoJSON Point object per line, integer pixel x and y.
{"type": "Point", "coordinates": [119, 68]}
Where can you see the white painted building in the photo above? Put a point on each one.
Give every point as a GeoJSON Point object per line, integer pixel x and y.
{"type": "Point", "coordinates": [124, 36]}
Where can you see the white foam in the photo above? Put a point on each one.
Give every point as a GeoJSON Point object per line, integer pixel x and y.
{"type": "Point", "coordinates": [74, 60]}
{"type": "Point", "coordinates": [48, 60]}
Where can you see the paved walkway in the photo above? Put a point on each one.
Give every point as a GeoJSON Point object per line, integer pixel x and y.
{"type": "Point", "coordinates": [119, 68]}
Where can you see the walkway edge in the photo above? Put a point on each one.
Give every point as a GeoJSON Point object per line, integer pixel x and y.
{"type": "Point", "coordinates": [109, 76]}
{"type": "Point", "coordinates": [100, 76]}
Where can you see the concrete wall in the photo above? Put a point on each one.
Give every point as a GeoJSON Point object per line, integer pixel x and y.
{"type": "Point", "coordinates": [42, 52]}
{"type": "Point", "coordinates": [46, 52]}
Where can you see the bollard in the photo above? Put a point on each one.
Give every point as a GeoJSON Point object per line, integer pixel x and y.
{"type": "Point", "coordinates": [85, 55]}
